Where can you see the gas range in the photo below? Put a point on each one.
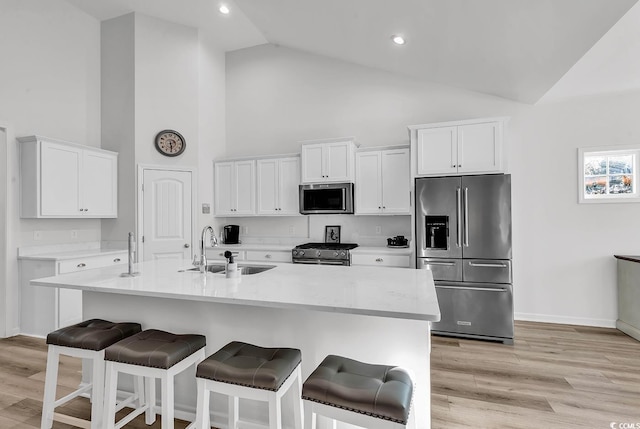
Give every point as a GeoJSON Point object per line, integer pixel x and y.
{"type": "Point", "coordinates": [323, 253]}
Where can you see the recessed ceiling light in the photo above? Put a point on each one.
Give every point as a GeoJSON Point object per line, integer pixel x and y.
{"type": "Point", "coordinates": [398, 40]}
{"type": "Point", "coordinates": [224, 9]}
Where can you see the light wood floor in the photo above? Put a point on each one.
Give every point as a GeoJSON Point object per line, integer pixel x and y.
{"type": "Point", "coordinates": [554, 376]}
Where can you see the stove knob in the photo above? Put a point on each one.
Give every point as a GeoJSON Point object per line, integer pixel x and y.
{"type": "Point", "coordinates": [295, 253]}
{"type": "Point", "coordinates": [301, 252]}
{"type": "Point", "coordinates": [336, 253]}
{"type": "Point", "coordinates": [344, 253]}
{"type": "Point", "coordinates": [318, 253]}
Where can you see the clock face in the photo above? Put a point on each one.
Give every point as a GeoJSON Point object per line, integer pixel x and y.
{"type": "Point", "coordinates": [170, 143]}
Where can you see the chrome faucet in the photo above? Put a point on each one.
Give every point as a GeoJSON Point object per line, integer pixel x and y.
{"type": "Point", "coordinates": [202, 262]}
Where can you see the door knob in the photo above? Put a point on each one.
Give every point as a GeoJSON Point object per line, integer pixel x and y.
{"type": "Point", "coordinates": [187, 245]}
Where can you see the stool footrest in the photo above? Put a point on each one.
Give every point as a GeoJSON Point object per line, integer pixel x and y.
{"type": "Point", "coordinates": [73, 421]}
{"type": "Point", "coordinates": [72, 395]}
{"type": "Point", "coordinates": [132, 415]}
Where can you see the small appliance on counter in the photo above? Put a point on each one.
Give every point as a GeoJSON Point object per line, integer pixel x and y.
{"type": "Point", "coordinates": [230, 234]}
{"type": "Point", "coordinates": [397, 241]}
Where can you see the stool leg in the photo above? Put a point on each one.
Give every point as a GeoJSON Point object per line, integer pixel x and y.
{"type": "Point", "coordinates": [111, 387]}
{"type": "Point", "coordinates": [309, 416]}
{"type": "Point", "coordinates": [167, 401]}
{"type": "Point", "coordinates": [202, 406]}
{"type": "Point", "coordinates": [51, 381]}
{"type": "Point", "coordinates": [150, 413]}
{"type": "Point", "coordinates": [275, 412]}
{"type": "Point", "coordinates": [297, 400]}
{"type": "Point", "coordinates": [139, 391]}
{"type": "Point", "coordinates": [97, 392]}
{"type": "Point", "coordinates": [234, 403]}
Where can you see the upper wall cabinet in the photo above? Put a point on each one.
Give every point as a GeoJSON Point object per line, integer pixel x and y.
{"type": "Point", "coordinates": [66, 180]}
{"type": "Point", "coordinates": [383, 182]}
{"type": "Point", "coordinates": [234, 187]}
{"type": "Point", "coordinates": [277, 186]}
{"type": "Point", "coordinates": [462, 147]}
{"type": "Point", "coordinates": [328, 161]}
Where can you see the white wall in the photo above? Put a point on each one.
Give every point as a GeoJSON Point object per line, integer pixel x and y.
{"type": "Point", "coordinates": [159, 75]}
{"type": "Point", "coordinates": [564, 261]}
{"type": "Point", "coordinates": [49, 85]}
{"type": "Point", "coordinates": [564, 270]}
{"type": "Point", "coordinates": [3, 228]}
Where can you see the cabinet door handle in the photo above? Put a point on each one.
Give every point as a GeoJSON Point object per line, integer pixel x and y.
{"type": "Point", "coordinates": [116, 260]}
{"type": "Point", "coordinates": [82, 265]}
{"type": "Point", "coordinates": [268, 256]}
{"type": "Point", "coordinates": [187, 245]}
{"type": "Point", "coordinates": [379, 260]}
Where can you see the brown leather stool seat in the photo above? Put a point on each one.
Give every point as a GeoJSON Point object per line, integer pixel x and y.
{"type": "Point", "coordinates": [251, 366]}
{"type": "Point", "coordinates": [376, 390]}
{"type": "Point", "coordinates": [94, 334]}
{"type": "Point", "coordinates": [155, 348]}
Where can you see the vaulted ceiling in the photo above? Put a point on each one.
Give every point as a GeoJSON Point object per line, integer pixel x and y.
{"type": "Point", "coordinates": [516, 49]}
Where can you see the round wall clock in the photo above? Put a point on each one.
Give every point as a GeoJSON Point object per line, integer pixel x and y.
{"type": "Point", "coordinates": [170, 143]}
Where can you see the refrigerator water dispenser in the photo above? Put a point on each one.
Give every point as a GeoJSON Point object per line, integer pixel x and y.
{"type": "Point", "coordinates": [437, 230]}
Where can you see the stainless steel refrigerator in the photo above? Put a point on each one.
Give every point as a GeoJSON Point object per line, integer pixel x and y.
{"type": "Point", "coordinates": [463, 235]}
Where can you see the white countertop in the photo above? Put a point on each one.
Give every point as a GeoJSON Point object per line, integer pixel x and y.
{"type": "Point", "coordinates": [372, 250]}
{"type": "Point", "coordinates": [249, 246]}
{"type": "Point", "coordinates": [386, 292]}
{"type": "Point", "coordinates": [72, 254]}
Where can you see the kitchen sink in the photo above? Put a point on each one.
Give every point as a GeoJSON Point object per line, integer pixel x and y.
{"type": "Point", "coordinates": [244, 269]}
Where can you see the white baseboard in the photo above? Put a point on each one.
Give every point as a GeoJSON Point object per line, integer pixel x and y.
{"type": "Point", "coordinates": [565, 320]}
{"type": "Point", "coordinates": [630, 330]}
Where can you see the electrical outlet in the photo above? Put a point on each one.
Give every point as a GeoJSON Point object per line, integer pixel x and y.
{"type": "Point", "coordinates": [37, 235]}
{"type": "Point", "coordinates": [292, 230]}
{"type": "Point", "coordinates": [74, 234]}
{"type": "Point", "coordinates": [378, 229]}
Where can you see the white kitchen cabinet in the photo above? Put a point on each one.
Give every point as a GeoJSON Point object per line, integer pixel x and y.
{"type": "Point", "coordinates": [381, 258]}
{"type": "Point", "coordinates": [328, 161]}
{"type": "Point", "coordinates": [463, 147]}
{"type": "Point", "coordinates": [234, 188]}
{"type": "Point", "coordinates": [66, 180]}
{"type": "Point", "coordinates": [217, 254]}
{"type": "Point", "coordinates": [45, 309]}
{"type": "Point", "coordinates": [383, 182]}
{"type": "Point", "coordinates": [269, 255]}
{"type": "Point", "coordinates": [277, 186]}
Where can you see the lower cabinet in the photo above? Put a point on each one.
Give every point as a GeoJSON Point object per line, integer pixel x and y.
{"type": "Point", "coordinates": [382, 259]}
{"type": "Point", "coordinates": [269, 255]}
{"type": "Point", "coordinates": [45, 309]}
{"type": "Point", "coordinates": [261, 255]}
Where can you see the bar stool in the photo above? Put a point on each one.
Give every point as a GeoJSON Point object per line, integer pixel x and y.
{"type": "Point", "coordinates": [151, 354]}
{"type": "Point", "coordinates": [86, 340]}
{"type": "Point", "coordinates": [361, 394]}
{"type": "Point", "coordinates": [241, 370]}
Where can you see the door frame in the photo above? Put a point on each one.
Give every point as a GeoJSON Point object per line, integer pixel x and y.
{"type": "Point", "coordinates": [140, 203]}
{"type": "Point", "coordinates": [5, 293]}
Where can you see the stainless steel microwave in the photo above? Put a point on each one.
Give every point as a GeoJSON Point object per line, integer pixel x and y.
{"type": "Point", "coordinates": [326, 198]}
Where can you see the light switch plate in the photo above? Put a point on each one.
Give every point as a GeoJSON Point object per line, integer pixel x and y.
{"type": "Point", "coordinates": [206, 208]}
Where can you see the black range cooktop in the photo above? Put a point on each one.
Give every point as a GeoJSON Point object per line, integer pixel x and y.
{"type": "Point", "coordinates": [327, 246]}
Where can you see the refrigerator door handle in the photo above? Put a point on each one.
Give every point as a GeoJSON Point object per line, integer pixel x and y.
{"type": "Point", "coordinates": [459, 215]}
{"type": "Point", "coordinates": [480, 289]}
{"type": "Point", "coordinates": [466, 217]}
{"type": "Point", "coordinates": [444, 264]}
{"type": "Point", "coordinates": [485, 265]}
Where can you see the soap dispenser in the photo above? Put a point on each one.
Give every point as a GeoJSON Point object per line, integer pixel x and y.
{"type": "Point", "coordinates": [231, 269]}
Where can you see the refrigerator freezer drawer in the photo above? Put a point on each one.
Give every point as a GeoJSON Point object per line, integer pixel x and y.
{"type": "Point", "coordinates": [442, 269]}
{"type": "Point", "coordinates": [475, 309]}
{"type": "Point", "coordinates": [486, 271]}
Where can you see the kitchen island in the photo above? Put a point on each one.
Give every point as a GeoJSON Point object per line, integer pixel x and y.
{"type": "Point", "coordinates": [628, 271]}
{"type": "Point", "coordinates": [376, 315]}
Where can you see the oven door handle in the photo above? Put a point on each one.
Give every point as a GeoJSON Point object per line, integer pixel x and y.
{"type": "Point", "coordinates": [317, 262]}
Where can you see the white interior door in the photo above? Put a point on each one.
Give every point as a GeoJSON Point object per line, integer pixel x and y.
{"type": "Point", "coordinates": [167, 205]}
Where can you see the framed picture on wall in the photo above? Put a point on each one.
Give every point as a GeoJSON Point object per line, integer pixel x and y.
{"type": "Point", "coordinates": [332, 234]}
